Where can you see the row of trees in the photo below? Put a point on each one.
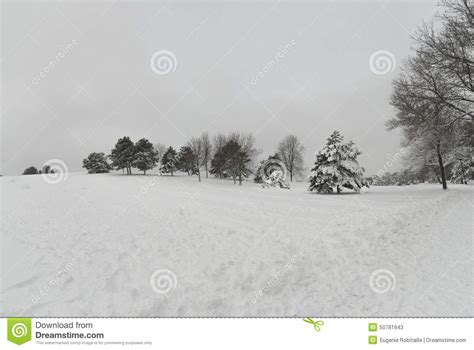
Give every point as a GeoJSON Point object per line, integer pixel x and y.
{"type": "Point", "coordinates": [125, 156]}
{"type": "Point", "coordinates": [190, 158]}
{"type": "Point", "coordinates": [226, 156]}
{"type": "Point", "coordinates": [434, 95]}
{"type": "Point", "coordinates": [231, 156]}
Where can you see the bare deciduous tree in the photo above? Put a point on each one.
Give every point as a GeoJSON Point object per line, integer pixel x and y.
{"type": "Point", "coordinates": [207, 151]}
{"type": "Point", "coordinates": [160, 149]}
{"type": "Point", "coordinates": [223, 146]}
{"type": "Point", "coordinates": [434, 95]}
{"type": "Point", "coordinates": [447, 47]}
{"type": "Point", "coordinates": [290, 150]}
{"type": "Point", "coordinates": [219, 141]}
{"type": "Point", "coordinates": [196, 146]}
{"type": "Point", "coordinates": [247, 144]}
{"type": "Point", "coordinates": [422, 119]}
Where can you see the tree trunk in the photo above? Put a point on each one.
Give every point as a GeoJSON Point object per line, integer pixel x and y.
{"type": "Point", "coordinates": [199, 175]}
{"type": "Point", "coordinates": [207, 173]}
{"type": "Point", "coordinates": [441, 166]}
{"type": "Point", "coordinates": [471, 139]}
{"type": "Point", "coordinates": [240, 179]}
{"type": "Point", "coordinates": [338, 190]}
{"type": "Point", "coordinates": [291, 176]}
{"type": "Point", "coordinates": [144, 172]}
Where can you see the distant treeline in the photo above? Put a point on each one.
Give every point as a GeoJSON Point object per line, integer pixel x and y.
{"type": "Point", "coordinates": [225, 156]}
{"type": "Point", "coordinates": [232, 156]}
{"type": "Point", "coordinates": [460, 173]}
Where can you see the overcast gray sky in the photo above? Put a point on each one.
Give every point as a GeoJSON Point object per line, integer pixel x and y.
{"type": "Point", "coordinates": [76, 76]}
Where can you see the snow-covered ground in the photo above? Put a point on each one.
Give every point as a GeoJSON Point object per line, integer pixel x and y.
{"type": "Point", "coordinates": [94, 245]}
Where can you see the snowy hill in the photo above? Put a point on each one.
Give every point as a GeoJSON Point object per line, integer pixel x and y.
{"type": "Point", "coordinates": [90, 245]}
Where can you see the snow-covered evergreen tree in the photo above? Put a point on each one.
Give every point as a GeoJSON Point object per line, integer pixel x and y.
{"type": "Point", "coordinates": [218, 162]}
{"type": "Point", "coordinates": [146, 157]}
{"type": "Point", "coordinates": [168, 161]}
{"type": "Point", "coordinates": [96, 163]}
{"type": "Point", "coordinates": [336, 167]}
{"type": "Point", "coordinates": [236, 161]}
{"type": "Point", "coordinates": [185, 160]}
{"type": "Point", "coordinates": [123, 154]}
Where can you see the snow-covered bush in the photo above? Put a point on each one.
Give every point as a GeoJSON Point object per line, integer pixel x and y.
{"type": "Point", "coordinates": [400, 178]}
{"type": "Point", "coordinates": [273, 173]}
{"type": "Point", "coordinates": [259, 174]}
{"type": "Point", "coordinates": [276, 178]}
